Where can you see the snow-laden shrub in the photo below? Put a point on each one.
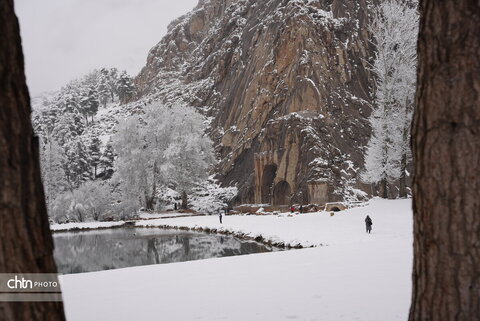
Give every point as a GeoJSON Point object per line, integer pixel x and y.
{"type": "Point", "coordinates": [211, 198]}
{"type": "Point", "coordinates": [167, 197]}
{"type": "Point", "coordinates": [207, 198]}
{"type": "Point", "coordinates": [90, 202]}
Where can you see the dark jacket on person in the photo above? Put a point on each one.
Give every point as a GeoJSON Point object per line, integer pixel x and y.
{"type": "Point", "coordinates": [368, 221]}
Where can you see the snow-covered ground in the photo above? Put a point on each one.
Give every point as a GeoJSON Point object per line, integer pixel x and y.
{"type": "Point", "coordinates": [149, 216]}
{"type": "Point", "coordinates": [354, 277]}
{"type": "Point", "coordinates": [84, 226]}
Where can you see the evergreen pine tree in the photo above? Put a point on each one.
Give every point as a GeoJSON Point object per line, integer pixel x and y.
{"type": "Point", "coordinates": [77, 168]}
{"type": "Point", "coordinates": [92, 102]}
{"type": "Point", "coordinates": [94, 150]}
{"type": "Point", "coordinates": [84, 105]}
{"type": "Point", "coordinates": [112, 82]}
{"type": "Point", "coordinates": [68, 127]}
{"type": "Point", "coordinates": [125, 88]}
{"type": "Point", "coordinates": [71, 102]}
{"type": "Point", "coordinates": [107, 160]}
{"type": "Point", "coordinates": [103, 88]}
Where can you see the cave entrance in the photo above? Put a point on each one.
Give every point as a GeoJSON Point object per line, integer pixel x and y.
{"type": "Point", "coordinates": [269, 172]}
{"type": "Point", "coordinates": [281, 193]}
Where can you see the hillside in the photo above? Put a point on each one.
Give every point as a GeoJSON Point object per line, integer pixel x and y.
{"type": "Point", "coordinates": [286, 88]}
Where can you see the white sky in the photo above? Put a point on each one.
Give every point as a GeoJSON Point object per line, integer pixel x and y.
{"type": "Point", "coordinates": [65, 39]}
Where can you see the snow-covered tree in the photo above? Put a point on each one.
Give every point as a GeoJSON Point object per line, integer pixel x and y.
{"type": "Point", "coordinates": [44, 121]}
{"type": "Point", "coordinates": [70, 100]}
{"type": "Point", "coordinates": [91, 201]}
{"type": "Point", "coordinates": [89, 103]}
{"type": "Point", "coordinates": [189, 155]}
{"type": "Point", "coordinates": [107, 159]}
{"type": "Point", "coordinates": [68, 126]}
{"type": "Point", "coordinates": [95, 155]}
{"type": "Point", "coordinates": [96, 199]}
{"type": "Point", "coordinates": [52, 163]}
{"type": "Point", "coordinates": [112, 82]}
{"type": "Point", "coordinates": [103, 87]}
{"type": "Point", "coordinates": [93, 102]}
{"type": "Point", "coordinates": [77, 167]}
{"type": "Point", "coordinates": [382, 157]}
{"type": "Point", "coordinates": [165, 146]}
{"type": "Point", "coordinates": [209, 197]}
{"type": "Point", "coordinates": [394, 30]}
{"type": "Point", "coordinates": [125, 88]}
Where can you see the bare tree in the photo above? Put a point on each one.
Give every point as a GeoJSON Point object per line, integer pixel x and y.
{"type": "Point", "coordinates": [25, 241]}
{"type": "Point", "coordinates": [446, 152]}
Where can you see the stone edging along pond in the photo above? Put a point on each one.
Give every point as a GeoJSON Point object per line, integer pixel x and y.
{"type": "Point", "coordinates": [243, 236]}
{"type": "Point", "coordinates": [78, 227]}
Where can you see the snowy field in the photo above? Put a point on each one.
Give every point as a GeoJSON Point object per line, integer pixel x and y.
{"type": "Point", "coordinates": [353, 277]}
{"type": "Point", "coordinates": [84, 226]}
{"type": "Point", "coordinates": [149, 216]}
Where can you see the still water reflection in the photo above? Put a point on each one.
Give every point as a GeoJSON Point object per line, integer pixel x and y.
{"type": "Point", "coordinates": [77, 252]}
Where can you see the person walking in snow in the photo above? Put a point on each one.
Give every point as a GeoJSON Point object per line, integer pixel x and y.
{"type": "Point", "coordinates": [368, 223]}
{"type": "Point", "coordinates": [220, 216]}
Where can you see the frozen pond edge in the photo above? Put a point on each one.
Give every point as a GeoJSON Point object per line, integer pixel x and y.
{"type": "Point", "coordinates": [89, 226]}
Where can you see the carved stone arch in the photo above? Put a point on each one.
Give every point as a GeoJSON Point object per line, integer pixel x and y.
{"type": "Point", "coordinates": [268, 176]}
{"type": "Point", "coordinates": [282, 193]}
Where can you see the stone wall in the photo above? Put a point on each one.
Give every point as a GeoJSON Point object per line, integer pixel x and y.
{"type": "Point", "coordinates": [318, 193]}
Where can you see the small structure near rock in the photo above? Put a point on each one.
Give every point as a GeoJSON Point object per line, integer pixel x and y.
{"type": "Point", "coordinates": [335, 207]}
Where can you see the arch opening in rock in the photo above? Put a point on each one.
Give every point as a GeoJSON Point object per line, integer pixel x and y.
{"type": "Point", "coordinates": [249, 196]}
{"type": "Point", "coordinates": [282, 193]}
{"type": "Point", "coordinates": [269, 173]}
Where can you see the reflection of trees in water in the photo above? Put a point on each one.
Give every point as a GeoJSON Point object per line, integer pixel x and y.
{"type": "Point", "coordinates": [152, 250]}
{"type": "Point", "coordinates": [93, 251]}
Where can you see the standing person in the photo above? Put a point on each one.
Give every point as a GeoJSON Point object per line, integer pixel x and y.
{"type": "Point", "coordinates": [301, 209]}
{"type": "Point", "coordinates": [220, 216]}
{"type": "Point", "coordinates": [368, 223]}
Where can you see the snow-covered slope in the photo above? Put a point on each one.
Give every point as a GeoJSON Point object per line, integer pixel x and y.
{"type": "Point", "coordinates": [356, 276]}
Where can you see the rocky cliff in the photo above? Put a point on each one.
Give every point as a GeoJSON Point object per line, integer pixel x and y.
{"type": "Point", "coordinates": [285, 85]}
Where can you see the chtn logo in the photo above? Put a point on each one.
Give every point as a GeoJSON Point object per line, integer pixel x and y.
{"type": "Point", "coordinates": [17, 283]}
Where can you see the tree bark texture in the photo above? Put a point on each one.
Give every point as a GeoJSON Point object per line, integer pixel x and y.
{"type": "Point", "coordinates": [402, 192]}
{"type": "Point", "coordinates": [25, 240]}
{"type": "Point", "coordinates": [384, 188]}
{"type": "Point", "coordinates": [446, 152]}
{"type": "Point", "coordinates": [184, 200]}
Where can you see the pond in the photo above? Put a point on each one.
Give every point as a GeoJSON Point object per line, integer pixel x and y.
{"type": "Point", "coordinates": [88, 251]}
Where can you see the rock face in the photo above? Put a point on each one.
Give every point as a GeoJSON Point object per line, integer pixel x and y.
{"type": "Point", "coordinates": [286, 87]}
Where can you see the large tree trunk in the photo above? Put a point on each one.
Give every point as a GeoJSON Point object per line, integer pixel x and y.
{"type": "Point", "coordinates": [25, 239]}
{"type": "Point", "coordinates": [184, 200]}
{"type": "Point", "coordinates": [384, 188]}
{"type": "Point", "coordinates": [402, 193]}
{"type": "Point", "coordinates": [446, 151]}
